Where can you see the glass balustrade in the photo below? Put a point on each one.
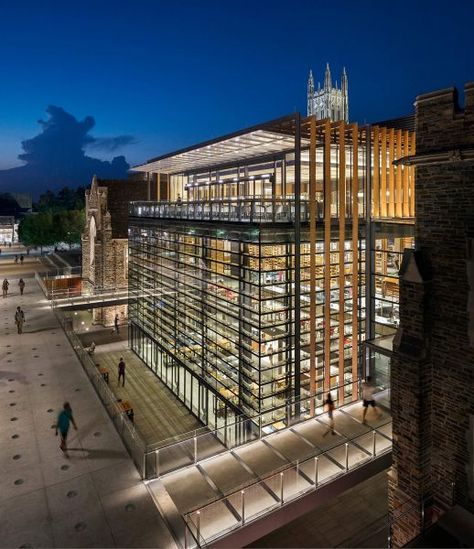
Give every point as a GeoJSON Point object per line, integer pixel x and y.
{"type": "Point", "coordinates": [247, 211]}
{"type": "Point", "coordinates": [248, 503]}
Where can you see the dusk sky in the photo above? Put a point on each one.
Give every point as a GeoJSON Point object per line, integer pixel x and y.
{"type": "Point", "coordinates": [170, 74]}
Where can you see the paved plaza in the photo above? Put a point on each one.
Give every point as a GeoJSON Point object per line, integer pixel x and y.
{"type": "Point", "coordinates": [93, 499]}
{"type": "Point", "coordinates": [96, 498]}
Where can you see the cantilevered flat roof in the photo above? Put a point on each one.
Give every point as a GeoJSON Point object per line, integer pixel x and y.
{"type": "Point", "coordinates": [273, 137]}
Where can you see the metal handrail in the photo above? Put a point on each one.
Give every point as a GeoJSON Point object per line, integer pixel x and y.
{"type": "Point", "coordinates": [127, 430]}
{"type": "Point", "coordinates": [60, 271]}
{"type": "Point", "coordinates": [253, 210]}
{"type": "Point", "coordinates": [278, 474]}
{"type": "Point", "coordinates": [290, 465]}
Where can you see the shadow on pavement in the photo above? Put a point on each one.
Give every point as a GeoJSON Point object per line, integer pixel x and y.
{"type": "Point", "coordinates": [98, 454]}
{"type": "Point", "coordinates": [13, 375]}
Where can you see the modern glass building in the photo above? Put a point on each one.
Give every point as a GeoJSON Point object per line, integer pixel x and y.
{"type": "Point", "coordinates": [267, 271]}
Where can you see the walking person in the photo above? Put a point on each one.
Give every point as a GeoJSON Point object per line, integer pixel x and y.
{"type": "Point", "coordinates": [368, 399]}
{"type": "Point", "coordinates": [21, 259]}
{"type": "Point", "coordinates": [329, 405]}
{"type": "Point", "coordinates": [116, 324]}
{"type": "Point", "coordinates": [21, 284]}
{"type": "Point", "coordinates": [19, 319]}
{"type": "Point", "coordinates": [64, 420]}
{"type": "Point", "coordinates": [16, 259]}
{"type": "Point", "coordinates": [121, 372]}
{"type": "Point", "coordinates": [5, 287]}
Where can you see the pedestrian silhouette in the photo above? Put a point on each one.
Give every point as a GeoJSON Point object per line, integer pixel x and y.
{"type": "Point", "coordinates": [116, 324]}
{"type": "Point", "coordinates": [368, 399]}
{"type": "Point", "coordinates": [329, 405]}
{"type": "Point", "coordinates": [19, 319]}
{"type": "Point", "coordinates": [5, 287]}
{"type": "Point", "coordinates": [65, 418]}
{"type": "Point", "coordinates": [21, 284]}
{"type": "Point", "coordinates": [121, 372]}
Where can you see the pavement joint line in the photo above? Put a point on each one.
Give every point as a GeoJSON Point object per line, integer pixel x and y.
{"type": "Point", "coordinates": [33, 409]}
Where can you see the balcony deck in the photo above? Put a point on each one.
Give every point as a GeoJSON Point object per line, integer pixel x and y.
{"type": "Point", "coordinates": [235, 211]}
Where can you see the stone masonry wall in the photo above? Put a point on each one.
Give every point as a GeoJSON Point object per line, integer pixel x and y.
{"type": "Point", "coordinates": [109, 269]}
{"type": "Point", "coordinates": [433, 380]}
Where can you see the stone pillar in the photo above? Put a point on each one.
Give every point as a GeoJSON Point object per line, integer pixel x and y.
{"type": "Point", "coordinates": [411, 400]}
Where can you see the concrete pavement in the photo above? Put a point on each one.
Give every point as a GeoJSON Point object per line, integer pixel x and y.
{"type": "Point", "coordinates": [93, 499]}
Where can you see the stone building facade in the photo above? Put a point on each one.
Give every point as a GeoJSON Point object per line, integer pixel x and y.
{"type": "Point", "coordinates": [433, 366]}
{"type": "Point", "coordinates": [105, 239]}
{"type": "Point", "coordinates": [329, 101]}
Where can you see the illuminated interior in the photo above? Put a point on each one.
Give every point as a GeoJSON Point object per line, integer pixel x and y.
{"type": "Point", "coordinates": [251, 268]}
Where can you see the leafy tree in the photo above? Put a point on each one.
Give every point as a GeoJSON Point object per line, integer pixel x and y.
{"type": "Point", "coordinates": [65, 199]}
{"type": "Point", "coordinates": [47, 228]}
{"type": "Point", "coordinates": [69, 225]}
{"type": "Point", "coordinates": [60, 218]}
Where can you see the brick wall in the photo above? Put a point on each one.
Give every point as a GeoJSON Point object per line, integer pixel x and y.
{"type": "Point", "coordinates": [433, 369]}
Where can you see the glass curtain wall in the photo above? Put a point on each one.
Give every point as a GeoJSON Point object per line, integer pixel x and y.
{"type": "Point", "coordinates": [215, 307]}
{"type": "Point", "coordinates": [389, 243]}
{"type": "Point", "coordinates": [220, 302]}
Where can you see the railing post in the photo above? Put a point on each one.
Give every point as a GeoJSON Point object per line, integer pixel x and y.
{"type": "Point", "coordinates": [347, 456]}
{"type": "Point", "coordinates": [316, 471]}
{"type": "Point", "coordinates": [281, 488]}
{"type": "Point", "coordinates": [374, 434]}
{"type": "Point", "coordinates": [198, 526]}
{"type": "Point", "coordinates": [297, 473]}
{"type": "Point", "coordinates": [242, 493]}
{"type": "Point", "coordinates": [185, 534]}
{"type": "Point", "coordinates": [157, 463]}
{"type": "Point", "coordinates": [195, 448]}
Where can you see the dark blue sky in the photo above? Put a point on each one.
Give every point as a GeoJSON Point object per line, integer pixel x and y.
{"type": "Point", "coordinates": [174, 73]}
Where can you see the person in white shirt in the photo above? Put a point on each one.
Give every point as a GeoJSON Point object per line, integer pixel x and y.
{"type": "Point", "coordinates": [91, 348]}
{"type": "Point", "coordinates": [368, 399]}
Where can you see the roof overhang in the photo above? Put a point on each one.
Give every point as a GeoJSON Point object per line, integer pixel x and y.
{"type": "Point", "coordinates": [272, 138]}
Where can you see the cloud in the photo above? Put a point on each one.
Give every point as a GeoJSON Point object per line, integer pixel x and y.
{"type": "Point", "coordinates": [56, 156]}
{"type": "Point", "coordinates": [111, 144]}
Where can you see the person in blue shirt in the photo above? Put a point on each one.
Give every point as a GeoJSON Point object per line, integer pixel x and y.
{"type": "Point", "coordinates": [64, 420]}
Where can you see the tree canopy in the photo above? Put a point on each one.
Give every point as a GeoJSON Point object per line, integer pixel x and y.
{"type": "Point", "coordinates": [65, 199]}
{"type": "Point", "coordinates": [59, 218]}
{"type": "Point", "coordinates": [48, 228]}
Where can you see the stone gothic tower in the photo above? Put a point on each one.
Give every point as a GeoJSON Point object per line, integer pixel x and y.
{"type": "Point", "coordinates": [330, 101]}
{"type": "Point", "coordinates": [105, 240]}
